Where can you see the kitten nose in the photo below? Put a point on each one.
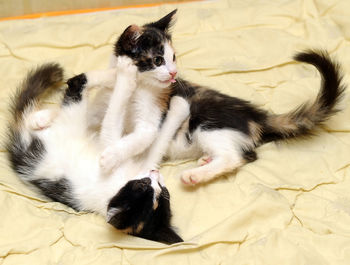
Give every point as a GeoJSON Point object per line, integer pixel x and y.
{"type": "Point", "coordinates": [173, 74]}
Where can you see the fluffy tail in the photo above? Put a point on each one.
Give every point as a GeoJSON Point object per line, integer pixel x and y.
{"type": "Point", "coordinates": [37, 82]}
{"type": "Point", "coordinates": [23, 148]}
{"type": "Point", "coordinates": [302, 120]}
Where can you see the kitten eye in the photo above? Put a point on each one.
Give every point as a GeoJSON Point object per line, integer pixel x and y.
{"type": "Point", "coordinates": [174, 58]}
{"type": "Point", "coordinates": [158, 61]}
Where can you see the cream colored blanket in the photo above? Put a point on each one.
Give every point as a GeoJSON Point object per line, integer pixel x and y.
{"type": "Point", "coordinates": [291, 206]}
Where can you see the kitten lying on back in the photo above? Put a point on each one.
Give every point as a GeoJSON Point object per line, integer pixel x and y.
{"type": "Point", "coordinates": [55, 152]}
{"type": "Point", "coordinates": [222, 131]}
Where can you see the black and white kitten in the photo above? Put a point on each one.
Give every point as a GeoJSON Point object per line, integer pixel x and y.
{"type": "Point", "coordinates": [222, 131]}
{"type": "Point", "coordinates": [54, 151]}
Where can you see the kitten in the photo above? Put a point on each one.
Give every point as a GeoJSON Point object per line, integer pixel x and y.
{"type": "Point", "coordinates": [55, 152]}
{"type": "Point", "coordinates": [154, 57]}
{"type": "Point", "coordinates": [222, 132]}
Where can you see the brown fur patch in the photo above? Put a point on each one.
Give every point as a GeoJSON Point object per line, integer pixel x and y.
{"type": "Point", "coordinates": [255, 131]}
{"type": "Point", "coordinates": [283, 123]}
{"type": "Point", "coordinates": [163, 99]}
{"type": "Point", "coordinates": [127, 230]}
{"type": "Point", "coordinates": [130, 230]}
{"type": "Point", "coordinates": [303, 118]}
{"type": "Point", "coordinates": [155, 205]}
{"type": "Point", "coordinates": [140, 227]}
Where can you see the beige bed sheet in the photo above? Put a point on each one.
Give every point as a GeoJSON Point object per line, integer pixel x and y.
{"type": "Point", "coordinates": [292, 206]}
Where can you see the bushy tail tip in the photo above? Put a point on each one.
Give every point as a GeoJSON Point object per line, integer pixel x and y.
{"type": "Point", "coordinates": [37, 82]}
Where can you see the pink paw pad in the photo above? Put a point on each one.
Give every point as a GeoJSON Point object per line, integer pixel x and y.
{"type": "Point", "coordinates": [205, 160]}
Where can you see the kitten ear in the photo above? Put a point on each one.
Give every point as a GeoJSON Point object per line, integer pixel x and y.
{"type": "Point", "coordinates": [126, 44]}
{"type": "Point", "coordinates": [112, 211]}
{"type": "Point", "coordinates": [165, 22]}
{"type": "Point", "coordinates": [166, 235]}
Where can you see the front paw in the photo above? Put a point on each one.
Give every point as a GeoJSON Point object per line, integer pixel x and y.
{"type": "Point", "coordinates": [126, 66]}
{"type": "Point", "coordinates": [109, 160]}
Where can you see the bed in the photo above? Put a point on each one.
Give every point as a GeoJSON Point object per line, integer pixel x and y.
{"type": "Point", "coordinates": [291, 206]}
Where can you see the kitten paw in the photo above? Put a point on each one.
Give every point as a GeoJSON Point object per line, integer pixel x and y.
{"type": "Point", "coordinates": [109, 160]}
{"type": "Point", "coordinates": [126, 66]}
{"type": "Point", "coordinates": [41, 120]}
{"type": "Point", "coordinates": [77, 82]}
{"type": "Point", "coordinates": [189, 178]}
{"type": "Point", "coordinates": [204, 160]}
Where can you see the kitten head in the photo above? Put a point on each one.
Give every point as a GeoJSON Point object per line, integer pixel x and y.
{"type": "Point", "coordinates": [142, 208]}
{"type": "Point", "coordinates": [150, 48]}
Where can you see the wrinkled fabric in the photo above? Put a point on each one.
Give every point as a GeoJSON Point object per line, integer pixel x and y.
{"type": "Point", "coordinates": [291, 206]}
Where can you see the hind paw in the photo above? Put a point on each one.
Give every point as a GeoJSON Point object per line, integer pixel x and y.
{"type": "Point", "coordinates": [41, 119]}
{"type": "Point", "coordinates": [190, 178]}
{"type": "Point", "coordinates": [204, 160]}
{"type": "Point", "coordinates": [77, 82]}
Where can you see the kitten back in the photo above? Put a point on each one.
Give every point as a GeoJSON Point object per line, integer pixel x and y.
{"type": "Point", "coordinates": [302, 120]}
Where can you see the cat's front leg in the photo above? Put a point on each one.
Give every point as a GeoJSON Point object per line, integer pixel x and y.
{"type": "Point", "coordinates": [91, 79]}
{"type": "Point", "coordinates": [113, 122]}
{"type": "Point", "coordinates": [129, 146]}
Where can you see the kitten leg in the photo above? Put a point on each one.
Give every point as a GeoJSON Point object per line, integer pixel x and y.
{"type": "Point", "coordinates": [88, 80]}
{"type": "Point", "coordinates": [176, 115]}
{"type": "Point", "coordinates": [130, 145]}
{"type": "Point", "coordinates": [218, 166]}
{"type": "Point", "coordinates": [225, 148]}
{"type": "Point", "coordinates": [41, 119]}
{"type": "Point", "coordinates": [113, 122]}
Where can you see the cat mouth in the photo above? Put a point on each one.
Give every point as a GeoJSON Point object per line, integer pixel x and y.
{"type": "Point", "coordinates": [171, 80]}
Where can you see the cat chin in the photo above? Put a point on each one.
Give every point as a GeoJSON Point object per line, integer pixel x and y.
{"type": "Point", "coordinates": [155, 83]}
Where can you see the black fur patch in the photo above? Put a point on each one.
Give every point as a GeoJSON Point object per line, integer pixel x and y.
{"type": "Point", "coordinates": [24, 158]}
{"type": "Point", "coordinates": [163, 24]}
{"type": "Point", "coordinates": [212, 110]}
{"type": "Point", "coordinates": [158, 227]}
{"type": "Point", "coordinates": [136, 214]}
{"type": "Point", "coordinates": [73, 93]}
{"type": "Point", "coordinates": [331, 87]}
{"type": "Point", "coordinates": [184, 88]}
{"type": "Point", "coordinates": [301, 121]}
{"type": "Point", "coordinates": [249, 156]}
{"type": "Point", "coordinates": [59, 191]}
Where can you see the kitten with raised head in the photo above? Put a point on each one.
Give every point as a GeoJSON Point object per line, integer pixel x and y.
{"type": "Point", "coordinates": [56, 152]}
{"type": "Point", "coordinates": [222, 132]}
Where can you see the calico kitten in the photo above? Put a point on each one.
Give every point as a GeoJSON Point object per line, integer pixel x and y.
{"type": "Point", "coordinates": [55, 152]}
{"type": "Point", "coordinates": [150, 49]}
{"type": "Point", "coordinates": [222, 131]}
